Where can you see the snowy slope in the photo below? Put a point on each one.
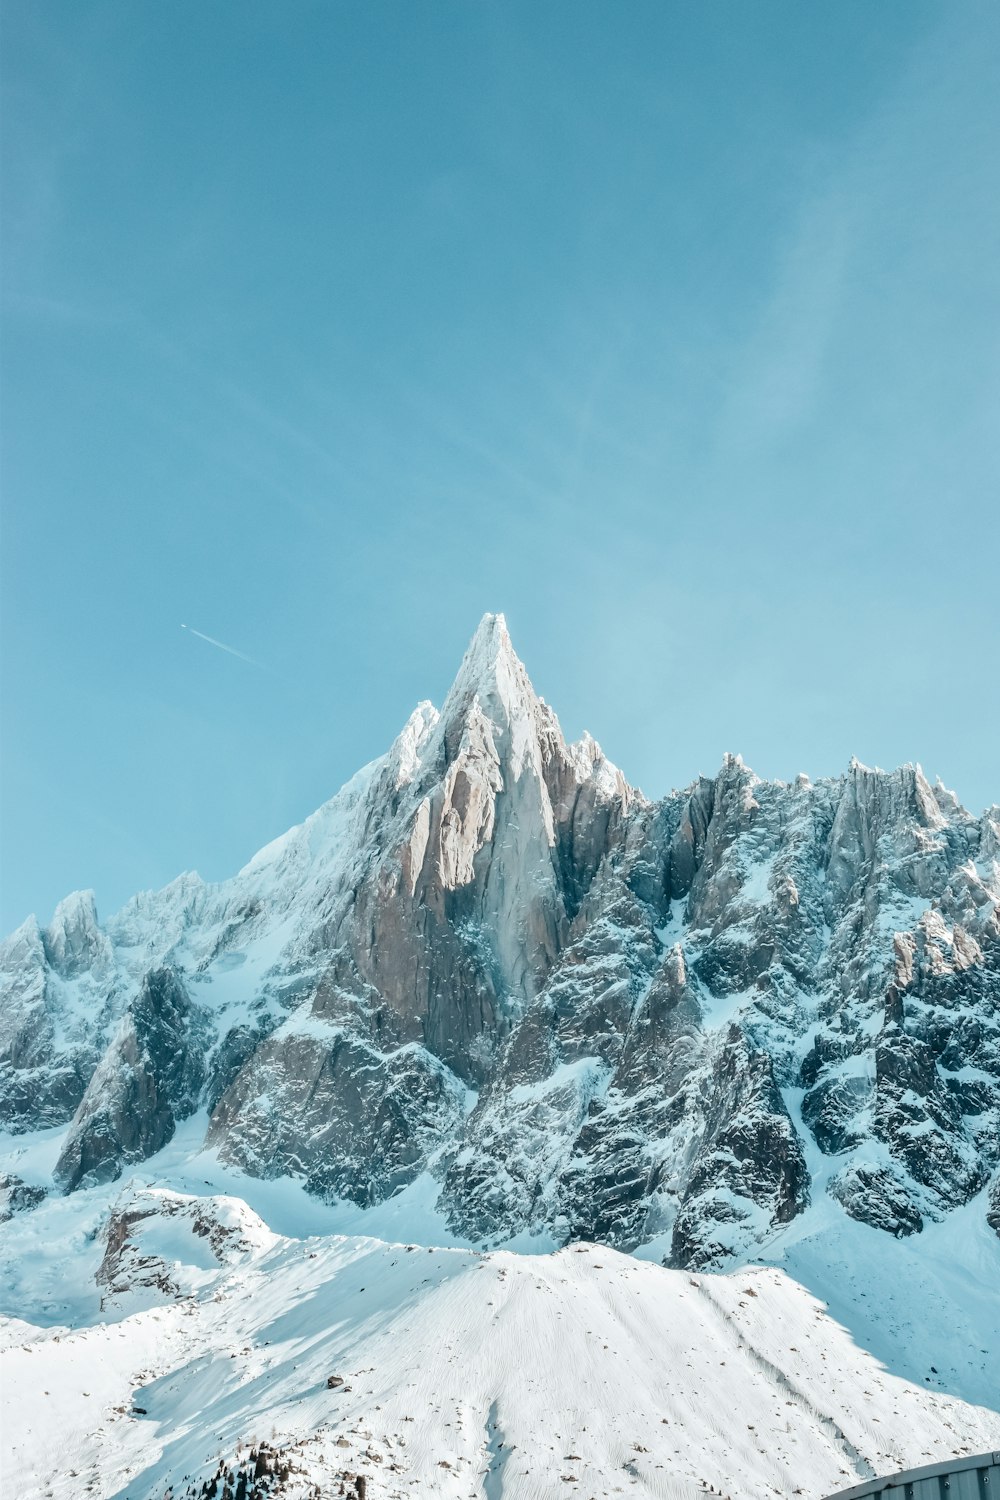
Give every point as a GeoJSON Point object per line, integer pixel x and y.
{"type": "Point", "coordinates": [220, 1304]}
{"type": "Point", "coordinates": [464, 1373]}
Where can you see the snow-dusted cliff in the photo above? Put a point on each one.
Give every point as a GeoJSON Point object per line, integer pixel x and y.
{"type": "Point", "coordinates": [492, 965]}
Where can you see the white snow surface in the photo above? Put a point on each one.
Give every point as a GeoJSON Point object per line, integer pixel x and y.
{"type": "Point", "coordinates": [469, 1374]}
{"type": "Point", "coordinates": [500, 1375]}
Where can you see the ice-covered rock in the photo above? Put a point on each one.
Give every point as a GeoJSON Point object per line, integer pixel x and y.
{"type": "Point", "coordinates": [18, 1196]}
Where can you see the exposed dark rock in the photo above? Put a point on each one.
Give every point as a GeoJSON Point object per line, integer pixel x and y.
{"type": "Point", "coordinates": [17, 1196]}
{"type": "Point", "coordinates": [832, 1110]}
{"type": "Point", "coordinates": [150, 1077]}
{"type": "Point", "coordinates": [375, 1116]}
{"type": "Point", "coordinates": [876, 1197]}
{"type": "Point", "coordinates": [749, 1165]}
{"type": "Point", "coordinates": [993, 1208]}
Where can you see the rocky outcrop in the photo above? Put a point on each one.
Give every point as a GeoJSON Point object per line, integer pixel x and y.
{"type": "Point", "coordinates": [749, 1175]}
{"type": "Point", "coordinates": [158, 1244]}
{"type": "Point", "coordinates": [320, 1102]}
{"type": "Point", "coordinates": [151, 1076]}
{"type": "Point", "coordinates": [584, 1015]}
{"type": "Point", "coordinates": [993, 1208]}
{"type": "Point", "coordinates": [877, 1196]}
{"type": "Point", "coordinates": [74, 943]}
{"type": "Point", "coordinates": [18, 1196]}
{"type": "Point", "coordinates": [48, 1045]}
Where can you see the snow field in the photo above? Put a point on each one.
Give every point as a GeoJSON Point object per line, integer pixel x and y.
{"type": "Point", "coordinates": [583, 1372]}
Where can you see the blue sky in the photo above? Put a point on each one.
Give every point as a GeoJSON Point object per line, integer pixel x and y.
{"type": "Point", "coordinates": [670, 329]}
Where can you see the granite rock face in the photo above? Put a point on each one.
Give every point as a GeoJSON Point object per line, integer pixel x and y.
{"type": "Point", "coordinates": [151, 1076]}
{"type": "Point", "coordinates": [993, 1208]}
{"type": "Point", "coordinates": [584, 1015]}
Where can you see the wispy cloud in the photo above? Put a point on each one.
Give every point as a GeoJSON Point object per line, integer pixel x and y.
{"type": "Point", "coordinates": [221, 646]}
{"type": "Point", "coordinates": [60, 310]}
{"type": "Point", "coordinates": [872, 276]}
{"type": "Point", "coordinates": [778, 376]}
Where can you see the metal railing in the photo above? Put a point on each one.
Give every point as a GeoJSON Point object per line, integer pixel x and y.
{"type": "Point", "coordinates": [976, 1478]}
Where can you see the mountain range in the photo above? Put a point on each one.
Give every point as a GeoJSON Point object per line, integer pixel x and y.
{"type": "Point", "coordinates": [587, 1015]}
{"type": "Point", "coordinates": [492, 987]}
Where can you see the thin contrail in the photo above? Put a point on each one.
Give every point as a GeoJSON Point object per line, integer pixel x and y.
{"type": "Point", "coordinates": [221, 645]}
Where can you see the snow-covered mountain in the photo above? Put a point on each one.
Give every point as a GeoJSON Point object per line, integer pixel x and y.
{"type": "Point", "coordinates": [492, 1001]}
{"type": "Point", "coordinates": [584, 1014]}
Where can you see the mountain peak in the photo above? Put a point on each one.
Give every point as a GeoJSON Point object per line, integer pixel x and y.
{"type": "Point", "coordinates": [490, 644]}
{"type": "Point", "coordinates": [492, 626]}
{"type": "Point", "coordinates": [73, 939]}
{"type": "Point", "coordinates": [492, 675]}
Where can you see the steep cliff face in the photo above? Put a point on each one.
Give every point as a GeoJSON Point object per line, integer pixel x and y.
{"type": "Point", "coordinates": [151, 1076]}
{"type": "Point", "coordinates": [586, 1015]}
{"type": "Point", "coordinates": [59, 996]}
